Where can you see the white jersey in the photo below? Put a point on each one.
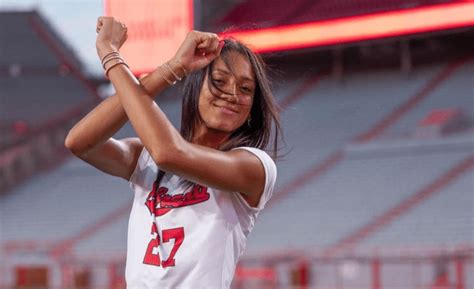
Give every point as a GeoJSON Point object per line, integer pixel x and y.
{"type": "Point", "coordinates": [182, 237]}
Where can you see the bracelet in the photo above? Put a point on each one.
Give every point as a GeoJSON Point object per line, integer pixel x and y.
{"type": "Point", "coordinates": [175, 75]}
{"type": "Point", "coordinates": [167, 80]}
{"type": "Point", "coordinates": [109, 54]}
{"type": "Point", "coordinates": [114, 65]}
{"type": "Point", "coordinates": [172, 72]}
{"type": "Point", "coordinates": [182, 67]}
{"type": "Point", "coordinates": [110, 59]}
{"type": "Point", "coordinates": [114, 55]}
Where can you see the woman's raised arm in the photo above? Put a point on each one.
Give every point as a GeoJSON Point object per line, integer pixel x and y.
{"type": "Point", "coordinates": [107, 118]}
{"type": "Point", "coordinates": [91, 138]}
{"type": "Point", "coordinates": [235, 171]}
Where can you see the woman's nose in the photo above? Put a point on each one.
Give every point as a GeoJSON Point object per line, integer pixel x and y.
{"type": "Point", "coordinates": [231, 94]}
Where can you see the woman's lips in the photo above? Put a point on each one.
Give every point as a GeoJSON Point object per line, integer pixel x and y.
{"type": "Point", "coordinates": [226, 110]}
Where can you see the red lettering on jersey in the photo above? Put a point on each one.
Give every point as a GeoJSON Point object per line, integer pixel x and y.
{"type": "Point", "coordinates": [159, 202]}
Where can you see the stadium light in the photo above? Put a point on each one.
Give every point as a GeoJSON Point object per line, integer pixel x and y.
{"type": "Point", "coordinates": [359, 28]}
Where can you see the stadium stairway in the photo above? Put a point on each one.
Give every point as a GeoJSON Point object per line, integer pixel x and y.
{"type": "Point", "coordinates": [71, 197]}
{"type": "Point", "coordinates": [103, 201]}
{"type": "Point", "coordinates": [41, 85]}
{"type": "Point", "coordinates": [330, 109]}
{"type": "Point", "coordinates": [300, 92]}
{"type": "Point", "coordinates": [292, 198]}
{"type": "Point", "coordinates": [446, 227]}
{"type": "Point", "coordinates": [44, 90]}
{"type": "Point", "coordinates": [445, 219]}
{"type": "Point", "coordinates": [458, 92]}
{"type": "Point", "coordinates": [94, 237]}
{"type": "Point", "coordinates": [351, 118]}
{"type": "Point", "coordinates": [454, 226]}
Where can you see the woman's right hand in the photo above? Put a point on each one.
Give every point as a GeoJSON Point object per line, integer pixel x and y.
{"type": "Point", "coordinates": [111, 35]}
{"type": "Point", "coordinates": [198, 50]}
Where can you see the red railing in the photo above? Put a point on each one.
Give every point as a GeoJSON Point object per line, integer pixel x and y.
{"type": "Point", "coordinates": [417, 267]}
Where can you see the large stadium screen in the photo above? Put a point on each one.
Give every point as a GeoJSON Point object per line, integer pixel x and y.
{"type": "Point", "coordinates": [156, 28]}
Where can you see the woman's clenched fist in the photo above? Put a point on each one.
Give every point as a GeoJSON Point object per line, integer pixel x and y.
{"type": "Point", "coordinates": [198, 50]}
{"type": "Point", "coordinates": [111, 35]}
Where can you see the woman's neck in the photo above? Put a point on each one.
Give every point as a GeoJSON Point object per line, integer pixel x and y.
{"type": "Point", "coordinates": [210, 137]}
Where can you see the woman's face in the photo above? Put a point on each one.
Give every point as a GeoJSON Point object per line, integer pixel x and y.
{"type": "Point", "coordinates": [226, 106]}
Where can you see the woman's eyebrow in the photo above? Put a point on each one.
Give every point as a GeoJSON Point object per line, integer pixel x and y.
{"type": "Point", "coordinates": [225, 71]}
{"type": "Point", "coordinates": [244, 78]}
{"type": "Point", "coordinates": [248, 79]}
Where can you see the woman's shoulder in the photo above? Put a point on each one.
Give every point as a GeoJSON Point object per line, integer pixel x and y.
{"type": "Point", "coordinates": [254, 150]}
{"type": "Point", "coordinates": [263, 156]}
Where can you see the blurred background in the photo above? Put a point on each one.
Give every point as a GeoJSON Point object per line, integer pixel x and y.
{"type": "Point", "coordinates": [376, 186]}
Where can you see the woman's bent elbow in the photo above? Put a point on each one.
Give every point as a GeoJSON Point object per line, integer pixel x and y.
{"type": "Point", "coordinates": [161, 158]}
{"type": "Point", "coordinates": [165, 158]}
{"type": "Point", "coordinates": [72, 145]}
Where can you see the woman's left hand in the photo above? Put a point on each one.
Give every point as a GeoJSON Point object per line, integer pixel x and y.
{"type": "Point", "coordinates": [198, 50]}
{"type": "Point", "coordinates": [112, 34]}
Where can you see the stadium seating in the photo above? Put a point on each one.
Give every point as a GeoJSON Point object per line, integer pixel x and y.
{"type": "Point", "coordinates": [25, 38]}
{"type": "Point", "coordinates": [334, 113]}
{"type": "Point", "coordinates": [455, 93]}
{"type": "Point", "coordinates": [363, 184]}
{"type": "Point", "coordinates": [42, 92]}
{"type": "Point", "coordinates": [354, 175]}
{"type": "Point", "coordinates": [70, 199]}
{"type": "Point", "coordinates": [21, 33]}
{"type": "Point", "coordinates": [445, 219]}
{"type": "Point", "coordinates": [57, 94]}
{"type": "Point", "coordinates": [326, 119]}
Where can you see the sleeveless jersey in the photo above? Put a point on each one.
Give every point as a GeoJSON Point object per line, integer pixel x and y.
{"type": "Point", "coordinates": [183, 236]}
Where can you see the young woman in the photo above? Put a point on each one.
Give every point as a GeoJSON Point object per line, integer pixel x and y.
{"type": "Point", "coordinates": [198, 192]}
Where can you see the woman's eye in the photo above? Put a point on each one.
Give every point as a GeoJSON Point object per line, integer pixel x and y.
{"type": "Point", "coordinates": [218, 81]}
{"type": "Point", "coordinates": [246, 89]}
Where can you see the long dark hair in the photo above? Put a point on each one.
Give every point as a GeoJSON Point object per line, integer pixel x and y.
{"type": "Point", "coordinates": [264, 114]}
